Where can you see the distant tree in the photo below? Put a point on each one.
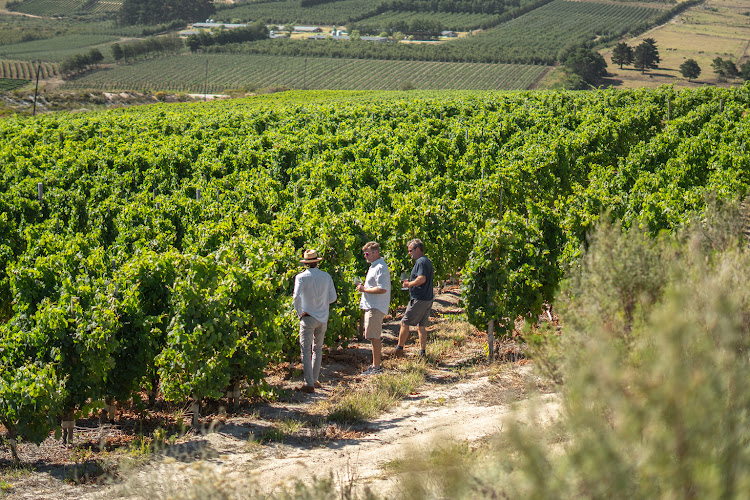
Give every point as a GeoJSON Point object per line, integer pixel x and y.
{"type": "Point", "coordinates": [586, 63]}
{"type": "Point", "coordinates": [725, 69]}
{"type": "Point", "coordinates": [354, 36]}
{"type": "Point", "coordinates": [651, 44]}
{"type": "Point", "coordinates": [690, 69]}
{"type": "Point", "coordinates": [398, 36]}
{"type": "Point", "coordinates": [174, 44]}
{"type": "Point", "coordinates": [95, 57]}
{"type": "Point", "coordinates": [116, 51]}
{"type": "Point", "coordinates": [575, 82]}
{"type": "Point", "coordinates": [193, 43]}
{"type": "Point", "coordinates": [646, 55]}
{"type": "Point", "coordinates": [745, 70]}
{"type": "Point", "coordinates": [622, 54]}
{"type": "Point", "coordinates": [731, 69]}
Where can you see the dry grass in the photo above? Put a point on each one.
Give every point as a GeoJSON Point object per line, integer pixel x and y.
{"type": "Point", "coordinates": [718, 28]}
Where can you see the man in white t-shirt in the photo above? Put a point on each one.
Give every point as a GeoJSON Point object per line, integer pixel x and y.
{"type": "Point", "coordinates": [313, 292]}
{"type": "Point", "coordinates": [376, 299]}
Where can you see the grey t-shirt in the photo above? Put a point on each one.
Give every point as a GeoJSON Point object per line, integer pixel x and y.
{"type": "Point", "coordinates": [422, 267]}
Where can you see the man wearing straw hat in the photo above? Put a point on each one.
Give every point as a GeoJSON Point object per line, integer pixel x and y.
{"type": "Point", "coordinates": [313, 292]}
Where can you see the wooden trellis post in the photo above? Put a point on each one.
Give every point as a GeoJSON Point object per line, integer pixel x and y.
{"type": "Point", "coordinates": [491, 341]}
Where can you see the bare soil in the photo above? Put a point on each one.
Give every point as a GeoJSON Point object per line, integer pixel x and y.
{"type": "Point", "coordinates": [464, 400]}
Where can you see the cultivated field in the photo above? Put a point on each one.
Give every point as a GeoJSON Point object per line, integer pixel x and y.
{"type": "Point", "coordinates": [55, 49]}
{"type": "Point", "coordinates": [718, 28]}
{"type": "Point", "coordinates": [67, 7]}
{"type": "Point", "coordinates": [217, 73]}
{"type": "Point", "coordinates": [542, 34]}
{"type": "Point", "coordinates": [286, 10]}
{"type": "Point", "coordinates": [10, 84]}
{"type": "Point", "coordinates": [25, 70]}
{"type": "Point", "coordinates": [451, 21]}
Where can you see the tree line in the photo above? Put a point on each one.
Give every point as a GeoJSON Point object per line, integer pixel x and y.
{"type": "Point", "coordinates": [491, 7]}
{"type": "Point", "coordinates": [76, 65]}
{"type": "Point", "coordinates": [80, 63]}
{"type": "Point", "coordinates": [151, 45]}
{"type": "Point", "coordinates": [644, 56]}
{"type": "Point", "coordinates": [423, 27]}
{"type": "Point", "coordinates": [253, 32]}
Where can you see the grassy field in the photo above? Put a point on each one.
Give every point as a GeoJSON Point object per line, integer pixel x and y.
{"type": "Point", "coordinates": [188, 74]}
{"type": "Point", "coordinates": [718, 28]}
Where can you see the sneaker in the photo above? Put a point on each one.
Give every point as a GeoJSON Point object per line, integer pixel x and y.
{"type": "Point", "coordinates": [307, 388]}
{"type": "Point", "coordinates": [373, 370]}
{"type": "Point", "coordinates": [422, 354]}
{"type": "Point", "coordinates": [317, 385]}
{"type": "Point", "coordinates": [399, 353]}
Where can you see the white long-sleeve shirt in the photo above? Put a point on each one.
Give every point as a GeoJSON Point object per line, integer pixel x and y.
{"type": "Point", "coordinates": [313, 292]}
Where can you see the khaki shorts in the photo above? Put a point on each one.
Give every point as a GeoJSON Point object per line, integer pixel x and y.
{"type": "Point", "coordinates": [373, 323]}
{"type": "Point", "coordinates": [417, 313]}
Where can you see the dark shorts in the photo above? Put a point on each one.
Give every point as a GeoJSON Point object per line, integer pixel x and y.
{"type": "Point", "coordinates": [417, 313]}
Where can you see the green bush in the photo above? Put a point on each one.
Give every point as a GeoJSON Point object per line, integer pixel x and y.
{"type": "Point", "coordinates": [656, 390]}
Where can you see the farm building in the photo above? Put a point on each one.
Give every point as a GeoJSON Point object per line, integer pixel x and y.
{"type": "Point", "coordinates": [213, 25]}
{"type": "Point", "coordinates": [380, 39]}
{"type": "Point", "coordinates": [308, 29]}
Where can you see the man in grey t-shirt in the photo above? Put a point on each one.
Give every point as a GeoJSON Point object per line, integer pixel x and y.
{"type": "Point", "coordinates": [420, 291]}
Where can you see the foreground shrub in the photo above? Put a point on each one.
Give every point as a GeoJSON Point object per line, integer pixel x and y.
{"type": "Point", "coordinates": [656, 380]}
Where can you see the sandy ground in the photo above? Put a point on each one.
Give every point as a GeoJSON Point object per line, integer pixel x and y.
{"type": "Point", "coordinates": [439, 414]}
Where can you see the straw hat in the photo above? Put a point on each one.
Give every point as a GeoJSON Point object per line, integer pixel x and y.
{"type": "Point", "coordinates": [310, 256]}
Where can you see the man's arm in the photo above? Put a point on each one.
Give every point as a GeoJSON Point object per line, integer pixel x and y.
{"type": "Point", "coordinates": [419, 280]}
{"type": "Point", "coordinates": [297, 298]}
{"type": "Point", "coordinates": [421, 273]}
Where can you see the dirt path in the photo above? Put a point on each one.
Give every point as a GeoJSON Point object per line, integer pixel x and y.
{"type": "Point", "coordinates": [439, 414]}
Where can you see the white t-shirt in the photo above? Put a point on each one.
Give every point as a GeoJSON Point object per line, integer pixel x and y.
{"type": "Point", "coordinates": [378, 276]}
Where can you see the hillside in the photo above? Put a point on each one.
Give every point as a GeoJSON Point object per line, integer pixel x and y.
{"type": "Point", "coordinates": [715, 28]}
{"type": "Point", "coordinates": [500, 45]}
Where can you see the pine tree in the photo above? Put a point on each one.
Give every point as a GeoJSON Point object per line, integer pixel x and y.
{"type": "Point", "coordinates": [622, 54]}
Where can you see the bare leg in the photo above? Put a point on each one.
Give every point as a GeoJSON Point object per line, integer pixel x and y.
{"type": "Point", "coordinates": [403, 335]}
{"type": "Point", "coordinates": [376, 351]}
{"type": "Point", "coordinates": [422, 337]}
